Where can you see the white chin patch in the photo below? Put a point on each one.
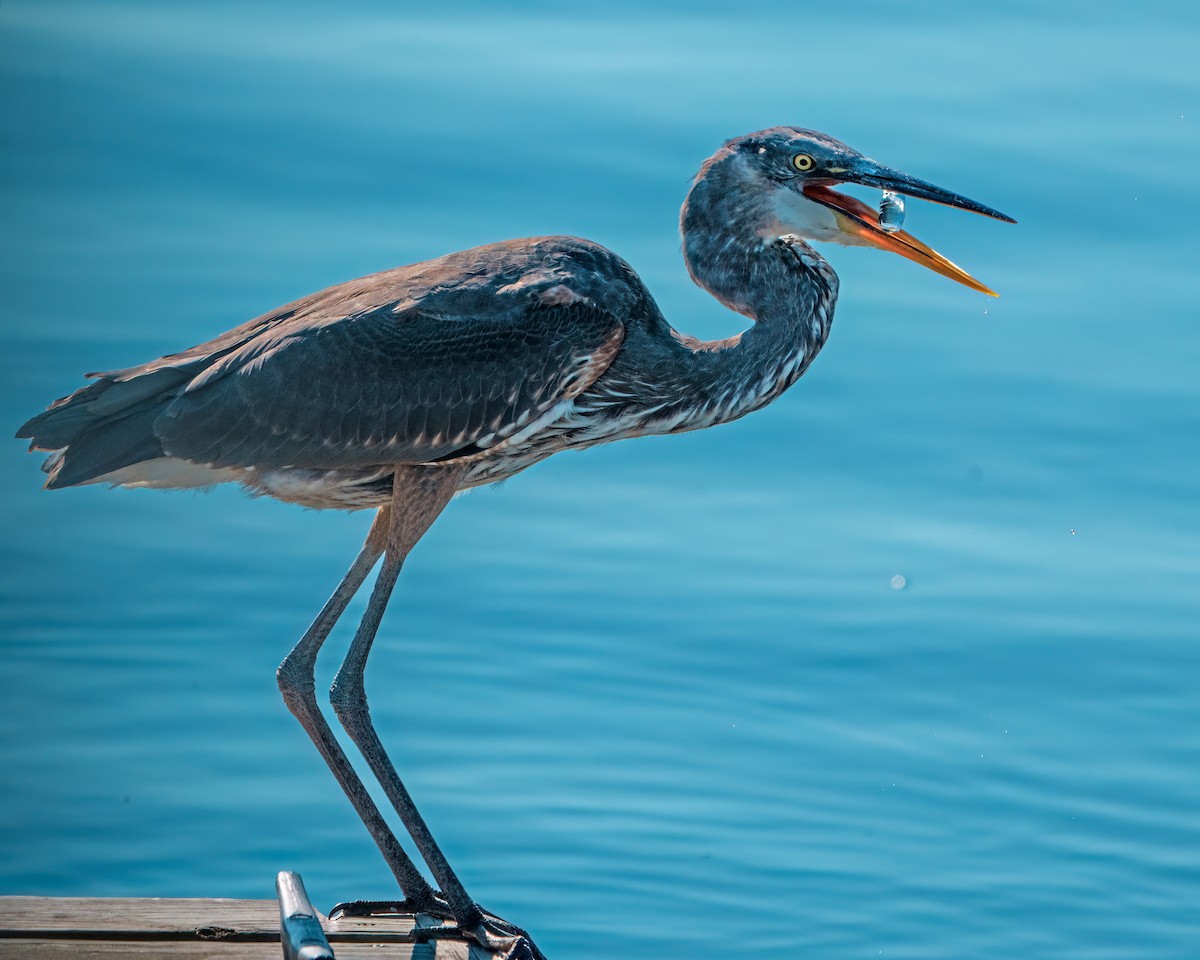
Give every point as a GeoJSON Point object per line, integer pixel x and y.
{"type": "Point", "coordinates": [795, 213]}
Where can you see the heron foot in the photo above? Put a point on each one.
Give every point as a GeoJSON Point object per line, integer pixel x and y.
{"type": "Point", "coordinates": [500, 938]}
{"type": "Point", "coordinates": [504, 940]}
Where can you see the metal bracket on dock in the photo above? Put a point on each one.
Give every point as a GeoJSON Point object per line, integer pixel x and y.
{"type": "Point", "coordinates": [299, 929]}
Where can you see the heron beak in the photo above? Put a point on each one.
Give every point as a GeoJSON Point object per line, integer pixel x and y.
{"type": "Point", "coordinates": [862, 223]}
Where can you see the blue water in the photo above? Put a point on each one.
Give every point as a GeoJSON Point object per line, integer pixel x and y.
{"type": "Point", "coordinates": [662, 698]}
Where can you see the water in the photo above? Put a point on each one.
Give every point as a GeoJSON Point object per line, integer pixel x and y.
{"type": "Point", "coordinates": [891, 212]}
{"type": "Point", "coordinates": [663, 698]}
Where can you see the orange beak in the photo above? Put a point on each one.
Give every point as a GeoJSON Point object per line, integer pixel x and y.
{"type": "Point", "coordinates": [861, 222]}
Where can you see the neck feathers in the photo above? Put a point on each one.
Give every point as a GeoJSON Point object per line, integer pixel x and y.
{"type": "Point", "coordinates": [734, 251]}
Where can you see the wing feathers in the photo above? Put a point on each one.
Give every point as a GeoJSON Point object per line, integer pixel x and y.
{"type": "Point", "coordinates": [418, 364]}
{"type": "Point", "coordinates": [381, 388]}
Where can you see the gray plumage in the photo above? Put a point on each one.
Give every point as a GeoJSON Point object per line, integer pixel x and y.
{"type": "Point", "coordinates": [396, 390]}
{"type": "Point", "coordinates": [453, 357]}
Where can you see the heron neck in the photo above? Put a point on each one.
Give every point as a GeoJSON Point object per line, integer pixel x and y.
{"type": "Point", "coordinates": [781, 283]}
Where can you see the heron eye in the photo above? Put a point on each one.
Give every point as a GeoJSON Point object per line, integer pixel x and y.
{"type": "Point", "coordinates": [803, 162]}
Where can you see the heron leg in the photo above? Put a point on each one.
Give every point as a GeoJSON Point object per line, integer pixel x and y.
{"type": "Point", "coordinates": [296, 683]}
{"type": "Point", "coordinates": [418, 496]}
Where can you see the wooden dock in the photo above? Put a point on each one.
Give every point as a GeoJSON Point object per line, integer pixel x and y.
{"type": "Point", "coordinates": [58, 928]}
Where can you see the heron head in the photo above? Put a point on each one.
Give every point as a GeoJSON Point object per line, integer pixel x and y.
{"type": "Point", "coordinates": [795, 171]}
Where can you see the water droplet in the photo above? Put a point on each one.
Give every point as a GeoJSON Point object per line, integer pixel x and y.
{"type": "Point", "coordinates": [891, 212]}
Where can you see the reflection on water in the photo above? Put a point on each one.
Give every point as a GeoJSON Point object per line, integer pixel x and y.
{"type": "Point", "coordinates": [665, 693]}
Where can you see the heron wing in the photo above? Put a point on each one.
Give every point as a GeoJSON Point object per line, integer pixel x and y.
{"type": "Point", "coordinates": [387, 385]}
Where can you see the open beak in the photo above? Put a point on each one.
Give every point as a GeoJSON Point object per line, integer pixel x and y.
{"type": "Point", "coordinates": [860, 221]}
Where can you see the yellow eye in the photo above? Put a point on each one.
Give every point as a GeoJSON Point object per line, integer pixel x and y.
{"type": "Point", "coordinates": [803, 162]}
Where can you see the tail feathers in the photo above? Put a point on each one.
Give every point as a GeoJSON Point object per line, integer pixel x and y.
{"type": "Point", "coordinates": [72, 416]}
{"type": "Point", "coordinates": [102, 427]}
{"type": "Point", "coordinates": [104, 447]}
{"type": "Point", "coordinates": [64, 419]}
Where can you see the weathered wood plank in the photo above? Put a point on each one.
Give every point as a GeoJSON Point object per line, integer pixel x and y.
{"type": "Point", "coordinates": [157, 928]}
{"type": "Point", "coordinates": [157, 915]}
{"type": "Point", "coordinates": [142, 950]}
{"type": "Point", "coordinates": [197, 950]}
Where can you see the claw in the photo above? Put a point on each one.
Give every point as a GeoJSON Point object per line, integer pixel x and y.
{"type": "Point", "coordinates": [511, 948]}
{"type": "Point", "coordinates": [504, 940]}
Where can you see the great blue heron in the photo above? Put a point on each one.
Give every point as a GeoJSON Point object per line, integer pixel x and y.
{"type": "Point", "coordinates": [397, 390]}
